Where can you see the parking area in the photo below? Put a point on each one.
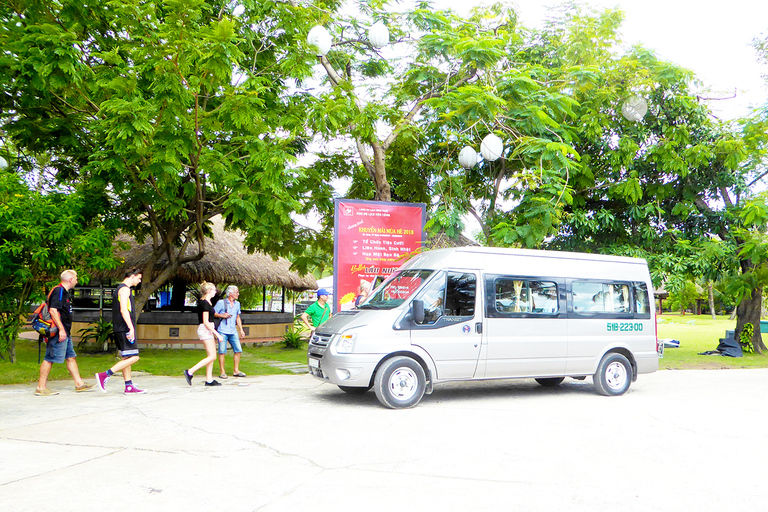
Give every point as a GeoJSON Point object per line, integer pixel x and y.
{"type": "Point", "coordinates": [678, 440]}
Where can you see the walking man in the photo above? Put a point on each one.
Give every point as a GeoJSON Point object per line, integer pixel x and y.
{"type": "Point", "coordinates": [318, 312]}
{"type": "Point", "coordinates": [228, 310]}
{"type": "Point", "coordinates": [124, 326]}
{"type": "Point", "coordinates": [60, 349]}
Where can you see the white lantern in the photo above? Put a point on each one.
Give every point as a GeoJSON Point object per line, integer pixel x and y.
{"type": "Point", "coordinates": [321, 39]}
{"type": "Point", "coordinates": [468, 157]}
{"type": "Point", "coordinates": [634, 109]}
{"type": "Point", "coordinates": [3, 163]}
{"type": "Point", "coordinates": [492, 147]}
{"type": "Point", "coordinates": [378, 35]}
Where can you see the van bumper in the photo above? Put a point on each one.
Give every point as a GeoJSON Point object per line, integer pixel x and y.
{"type": "Point", "coordinates": [353, 370]}
{"type": "Point", "coordinates": [647, 362]}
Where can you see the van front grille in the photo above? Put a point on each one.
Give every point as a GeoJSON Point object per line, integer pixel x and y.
{"type": "Point", "coordinates": [319, 344]}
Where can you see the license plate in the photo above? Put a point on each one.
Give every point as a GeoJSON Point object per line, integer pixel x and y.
{"type": "Point", "coordinates": [314, 363]}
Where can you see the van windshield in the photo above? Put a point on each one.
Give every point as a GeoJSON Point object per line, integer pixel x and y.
{"type": "Point", "coordinates": [397, 289]}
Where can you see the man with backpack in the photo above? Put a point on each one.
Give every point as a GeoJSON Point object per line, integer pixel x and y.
{"type": "Point", "coordinates": [124, 327]}
{"type": "Point", "coordinates": [59, 348]}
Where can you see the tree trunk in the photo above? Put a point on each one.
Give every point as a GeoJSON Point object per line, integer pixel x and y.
{"type": "Point", "coordinates": [749, 313]}
{"type": "Point", "coordinates": [748, 310]}
{"type": "Point", "coordinates": [383, 188]}
{"type": "Point", "coordinates": [711, 300]}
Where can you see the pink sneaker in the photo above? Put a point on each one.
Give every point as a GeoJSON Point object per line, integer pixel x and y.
{"type": "Point", "coordinates": [101, 381]}
{"type": "Point", "coordinates": [133, 390]}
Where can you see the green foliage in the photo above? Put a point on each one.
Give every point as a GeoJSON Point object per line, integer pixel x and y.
{"type": "Point", "coordinates": [175, 111]}
{"type": "Point", "coordinates": [682, 294]}
{"type": "Point", "coordinates": [295, 336]}
{"type": "Point", "coordinates": [745, 338]}
{"type": "Point", "coordinates": [100, 333]}
{"type": "Point", "coordinates": [40, 236]}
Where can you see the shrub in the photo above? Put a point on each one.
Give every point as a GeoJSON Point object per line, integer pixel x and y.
{"type": "Point", "coordinates": [99, 333]}
{"type": "Point", "coordinates": [295, 336]}
{"type": "Point", "coordinates": [745, 338]}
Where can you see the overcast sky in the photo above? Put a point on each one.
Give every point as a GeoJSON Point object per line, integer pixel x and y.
{"type": "Point", "coordinates": [710, 38]}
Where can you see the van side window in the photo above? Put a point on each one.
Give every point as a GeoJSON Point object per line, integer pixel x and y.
{"type": "Point", "coordinates": [523, 296]}
{"type": "Point", "coordinates": [452, 296]}
{"type": "Point", "coordinates": [596, 297]}
{"type": "Point", "coordinates": [642, 303]}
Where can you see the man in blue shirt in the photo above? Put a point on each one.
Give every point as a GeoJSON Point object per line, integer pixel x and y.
{"type": "Point", "coordinates": [228, 309]}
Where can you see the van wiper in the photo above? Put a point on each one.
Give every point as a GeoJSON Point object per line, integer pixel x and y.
{"type": "Point", "coordinates": [368, 306]}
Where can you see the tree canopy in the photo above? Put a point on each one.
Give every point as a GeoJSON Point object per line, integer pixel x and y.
{"type": "Point", "coordinates": [177, 111]}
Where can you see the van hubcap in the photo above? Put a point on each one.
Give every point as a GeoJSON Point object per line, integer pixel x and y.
{"type": "Point", "coordinates": [403, 383]}
{"type": "Point", "coordinates": [616, 375]}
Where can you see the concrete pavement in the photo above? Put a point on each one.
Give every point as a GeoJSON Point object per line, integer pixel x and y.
{"type": "Point", "coordinates": [678, 440]}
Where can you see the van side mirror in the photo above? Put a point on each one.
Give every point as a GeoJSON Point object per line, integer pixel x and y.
{"type": "Point", "coordinates": [417, 306]}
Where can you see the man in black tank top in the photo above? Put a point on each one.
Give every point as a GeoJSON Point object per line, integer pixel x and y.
{"type": "Point", "coordinates": [124, 327]}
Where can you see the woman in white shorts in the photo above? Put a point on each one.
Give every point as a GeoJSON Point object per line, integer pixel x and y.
{"type": "Point", "coordinates": [207, 333]}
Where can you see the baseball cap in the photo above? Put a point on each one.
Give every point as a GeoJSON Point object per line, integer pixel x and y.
{"type": "Point", "coordinates": [322, 291]}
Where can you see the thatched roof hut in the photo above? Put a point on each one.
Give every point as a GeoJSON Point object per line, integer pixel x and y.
{"type": "Point", "coordinates": [441, 240]}
{"type": "Point", "coordinates": [225, 261]}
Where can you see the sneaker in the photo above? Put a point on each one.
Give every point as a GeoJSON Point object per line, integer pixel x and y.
{"type": "Point", "coordinates": [188, 376]}
{"type": "Point", "coordinates": [45, 392]}
{"type": "Point", "coordinates": [133, 390]}
{"type": "Point", "coordinates": [101, 381]}
{"type": "Point", "coordinates": [84, 387]}
{"type": "Point", "coordinates": [213, 383]}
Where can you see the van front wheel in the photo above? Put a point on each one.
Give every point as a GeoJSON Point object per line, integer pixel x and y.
{"type": "Point", "coordinates": [614, 375]}
{"type": "Point", "coordinates": [400, 383]}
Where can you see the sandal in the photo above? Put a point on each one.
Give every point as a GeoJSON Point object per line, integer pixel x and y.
{"type": "Point", "coordinates": [223, 376]}
{"type": "Point", "coordinates": [238, 374]}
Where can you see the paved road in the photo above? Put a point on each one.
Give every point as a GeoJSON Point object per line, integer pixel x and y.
{"type": "Point", "coordinates": [678, 440]}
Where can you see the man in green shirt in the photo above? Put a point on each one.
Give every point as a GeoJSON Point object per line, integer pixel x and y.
{"type": "Point", "coordinates": [318, 312]}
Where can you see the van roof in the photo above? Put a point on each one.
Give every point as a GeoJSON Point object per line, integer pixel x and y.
{"type": "Point", "coordinates": [495, 259]}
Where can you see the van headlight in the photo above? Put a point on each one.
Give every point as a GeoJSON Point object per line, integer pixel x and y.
{"type": "Point", "coordinates": [345, 344]}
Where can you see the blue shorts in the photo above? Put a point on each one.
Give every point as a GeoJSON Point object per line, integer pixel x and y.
{"type": "Point", "coordinates": [57, 351]}
{"type": "Point", "coordinates": [233, 340]}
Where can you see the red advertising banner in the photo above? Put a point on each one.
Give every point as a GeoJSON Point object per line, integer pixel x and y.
{"type": "Point", "coordinates": [372, 239]}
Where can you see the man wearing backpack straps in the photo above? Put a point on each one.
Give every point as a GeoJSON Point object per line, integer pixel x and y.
{"type": "Point", "coordinates": [60, 349]}
{"type": "Point", "coordinates": [124, 327]}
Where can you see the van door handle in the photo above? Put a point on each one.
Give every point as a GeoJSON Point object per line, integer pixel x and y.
{"type": "Point", "coordinates": [479, 327]}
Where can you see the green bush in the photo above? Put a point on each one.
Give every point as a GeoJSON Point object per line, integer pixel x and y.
{"type": "Point", "coordinates": [99, 333]}
{"type": "Point", "coordinates": [295, 336]}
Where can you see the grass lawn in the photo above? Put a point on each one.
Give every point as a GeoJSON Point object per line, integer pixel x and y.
{"type": "Point", "coordinates": [699, 333]}
{"type": "Point", "coordinates": [696, 334]}
{"type": "Point", "coordinates": [153, 361]}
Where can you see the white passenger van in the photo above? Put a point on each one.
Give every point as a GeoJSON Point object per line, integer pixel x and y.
{"type": "Point", "coordinates": [479, 313]}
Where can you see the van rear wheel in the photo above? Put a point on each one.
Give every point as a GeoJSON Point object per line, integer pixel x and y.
{"type": "Point", "coordinates": [614, 375]}
{"type": "Point", "coordinates": [550, 382]}
{"type": "Point", "coordinates": [400, 383]}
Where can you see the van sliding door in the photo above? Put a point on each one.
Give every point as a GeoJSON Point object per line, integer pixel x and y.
{"type": "Point", "coordinates": [526, 326]}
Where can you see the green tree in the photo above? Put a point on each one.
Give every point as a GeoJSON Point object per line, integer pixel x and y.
{"type": "Point", "coordinates": [177, 110]}
{"type": "Point", "coordinates": [405, 111]}
{"type": "Point", "coordinates": [683, 296]}
{"type": "Point", "coordinates": [649, 185]}
{"type": "Point", "coordinates": [40, 236]}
